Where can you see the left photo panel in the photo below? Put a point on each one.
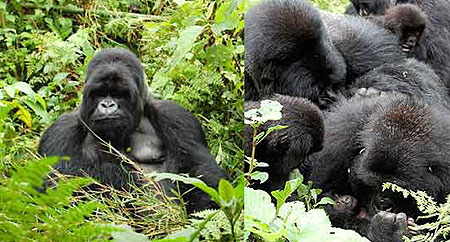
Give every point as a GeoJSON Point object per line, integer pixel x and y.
{"type": "Point", "coordinates": [121, 120]}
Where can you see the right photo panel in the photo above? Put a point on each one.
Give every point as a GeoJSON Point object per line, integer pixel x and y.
{"type": "Point", "coordinates": [347, 120]}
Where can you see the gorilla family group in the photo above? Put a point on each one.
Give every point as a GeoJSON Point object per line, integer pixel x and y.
{"type": "Point", "coordinates": [366, 100]}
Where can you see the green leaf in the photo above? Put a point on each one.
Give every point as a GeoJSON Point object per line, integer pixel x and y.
{"type": "Point", "coordinates": [11, 91]}
{"type": "Point", "coordinates": [23, 114]}
{"type": "Point", "coordinates": [189, 180]}
{"type": "Point", "coordinates": [24, 87]}
{"type": "Point", "coordinates": [58, 78]}
{"type": "Point", "coordinates": [314, 226]}
{"type": "Point", "coordinates": [127, 234]}
{"type": "Point", "coordinates": [227, 17]}
{"type": "Point", "coordinates": [226, 190]}
{"type": "Point", "coordinates": [260, 176]}
{"type": "Point", "coordinates": [65, 27]}
{"type": "Point", "coordinates": [258, 206]}
{"type": "Point", "coordinates": [184, 44]}
{"type": "Point", "coordinates": [259, 136]}
{"type": "Point", "coordinates": [262, 164]}
{"type": "Point", "coordinates": [37, 109]}
{"type": "Point", "coordinates": [220, 56]}
{"type": "Point", "coordinates": [289, 188]}
{"type": "Point", "coordinates": [343, 235]}
{"type": "Point", "coordinates": [180, 2]}
{"type": "Point", "coordinates": [159, 80]}
{"type": "Point", "coordinates": [326, 201]}
{"type": "Point", "coordinates": [292, 212]}
{"type": "Point", "coordinates": [276, 127]}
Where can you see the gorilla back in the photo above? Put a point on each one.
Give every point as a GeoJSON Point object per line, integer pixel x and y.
{"type": "Point", "coordinates": [293, 49]}
{"type": "Point", "coordinates": [117, 109]}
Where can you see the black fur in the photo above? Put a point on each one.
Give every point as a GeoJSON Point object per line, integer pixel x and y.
{"type": "Point", "coordinates": [408, 23]}
{"type": "Point", "coordinates": [293, 49]}
{"type": "Point", "coordinates": [391, 138]}
{"type": "Point", "coordinates": [286, 149]}
{"type": "Point", "coordinates": [287, 51]}
{"type": "Point", "coordinates": [116, 75]}
{"type": "Point", "coordinates": [367, 7]}
{"type": "Point", "coordinates": [413, 78]}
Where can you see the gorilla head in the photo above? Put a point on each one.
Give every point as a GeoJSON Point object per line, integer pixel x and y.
{"type": "Point", "coordinates": [408, 22]}
{"type": "Point", "coordinates": [286, 149]}
{"type": "Point", "coordinates": [288, 52]}
{"type": "Point", "coordinates": [405, 142]}
{"type": "Point", "coordinates": [366, 7]}
{"type": "Point", "coordinates": [114, 95]}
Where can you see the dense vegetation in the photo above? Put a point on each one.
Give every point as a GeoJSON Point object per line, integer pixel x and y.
{"type": "Point", "coordinates": [192, 52]}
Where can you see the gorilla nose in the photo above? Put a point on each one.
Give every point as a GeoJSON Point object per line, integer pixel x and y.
{"type": "Point", "coordinates": [107, 106]}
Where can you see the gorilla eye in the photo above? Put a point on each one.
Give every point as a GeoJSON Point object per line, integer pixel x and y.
{"type": "Point", "coordinates": [98, 93]}
{"type": "Point", "coordinates": [430, 169]}
{"type": "Point", "coordinates": [121, 95]}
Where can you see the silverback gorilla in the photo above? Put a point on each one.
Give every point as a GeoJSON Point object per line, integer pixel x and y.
{"type": "Point", "coordinates": [117, 108]}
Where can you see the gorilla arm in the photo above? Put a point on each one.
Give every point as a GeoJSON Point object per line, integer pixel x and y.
{"type": "Point", "coordinates": [60, 137]}
{"type": "Point", "coordinates": [185, 148]}
{"type": "Point", "coordinates": [68, 137]}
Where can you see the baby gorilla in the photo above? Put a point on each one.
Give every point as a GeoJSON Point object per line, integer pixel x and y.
{"type": "Point", "coordinates": [286, 149]}
{"type": "Point", "coordinates": [435, 37]}
{"type": "Point", "coordinates": [344, 213]}
{"type": "Point", "coordinates": [367, 7]}
{"type": "Point", "coordinates": [408, 23]}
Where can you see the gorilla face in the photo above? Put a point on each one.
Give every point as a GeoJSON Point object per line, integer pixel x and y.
{"type": "Point", "coordinates": [405, 143]}
{"type": "Point", "coordinates": [366, 7]}
{"type": "Point", "coordinates": [112, 104]}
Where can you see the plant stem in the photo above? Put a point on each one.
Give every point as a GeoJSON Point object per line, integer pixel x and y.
{"type": "Point", "coordinates": [252, 161]}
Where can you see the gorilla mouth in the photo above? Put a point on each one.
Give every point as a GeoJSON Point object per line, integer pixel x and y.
{"type": "Point", "coordinates": [106, 119]}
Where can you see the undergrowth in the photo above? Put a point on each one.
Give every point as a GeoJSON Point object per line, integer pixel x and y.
{"type": "Point", "coordinates": [192, 53]}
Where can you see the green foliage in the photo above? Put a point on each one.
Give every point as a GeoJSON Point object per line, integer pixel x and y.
{"type": "Point", "coordinates": [192, 52]}
{"type": "Point", "coordinates": [268, 110]}
{"type": "Point", "coordinates": [336, 6]}
{"type": "Point", "coordinates": [28, 215]}
{"type": "Point", "coordinates": [308, 194]}
{"type": "Point", "coordinates": [230, 200]}
{"type": "Point", "coordinates": [289, 221]}
{"type": "Point", "coordinates": [438, 216]}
